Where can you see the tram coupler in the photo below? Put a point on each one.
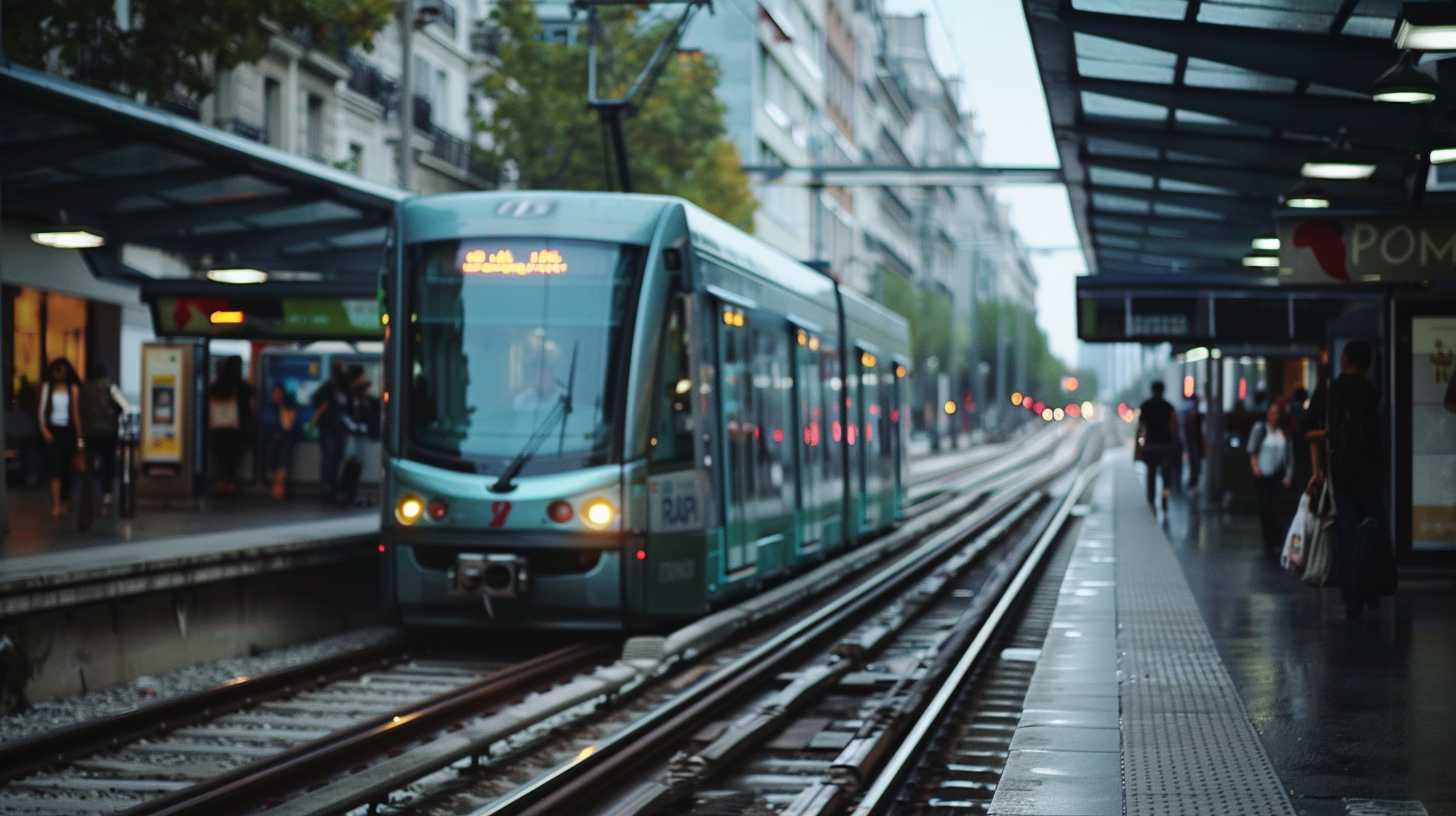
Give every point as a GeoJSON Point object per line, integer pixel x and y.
{"type": "Point", "coordinates": [491, 575]}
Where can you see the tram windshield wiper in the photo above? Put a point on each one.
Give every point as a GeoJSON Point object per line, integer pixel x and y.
{"type": "Point", "coordinates": [559, 412]}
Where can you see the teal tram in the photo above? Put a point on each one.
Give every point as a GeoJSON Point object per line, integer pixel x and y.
{"type": "Point", "coordinates": [617, 411]}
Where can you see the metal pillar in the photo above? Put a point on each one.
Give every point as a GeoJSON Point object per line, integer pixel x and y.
{"type": "Point", "coordinates": [406, 25]}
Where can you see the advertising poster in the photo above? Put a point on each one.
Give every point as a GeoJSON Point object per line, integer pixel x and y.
{"type": "Point", "coordinates": [163, 405]}
{"type": "Point", "coordinates": [300, 374]}
{"type": "Point", "coordinates": [1433, 434]}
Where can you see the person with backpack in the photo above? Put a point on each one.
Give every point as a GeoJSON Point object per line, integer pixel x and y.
{"type": "Point", "coordinates": [1158, 434]}
{"type": "Point", "coordinates": [59, 410]}
{"type": "Point", "coordinates": [229, 421]}
{"type": "Point", "coordinates": [1272, 464]}
{"type": "Point", "coordinates": [330, 403]}
{"type": "Point", "coordinates": [1344, 433]}
{"type": "Point", "coordinates": [102, 406]}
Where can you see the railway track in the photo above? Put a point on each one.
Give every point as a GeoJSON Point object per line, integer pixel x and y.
{"type": "Point", "coordinates": [661, 762]}
{"type": "Point", "coordinates": [349, 730]}
{"type": "Point", "coordinates": [218, 743]}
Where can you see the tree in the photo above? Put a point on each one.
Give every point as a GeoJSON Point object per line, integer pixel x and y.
{"type": "Point", "coordinates": [540, 123]}
{"type": "Point", "coordinates": [174, 46]}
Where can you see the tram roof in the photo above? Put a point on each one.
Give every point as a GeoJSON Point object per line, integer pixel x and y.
{"type": "Point", "coordinates": [1180, 123]}
{"type": "Point", "coordinates": [143, 176]}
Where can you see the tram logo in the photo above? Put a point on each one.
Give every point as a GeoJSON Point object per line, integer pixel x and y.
{"type": "Point", "coordinates": [524, 208]}
{"type": "Point", "coordinates": [499, 512]}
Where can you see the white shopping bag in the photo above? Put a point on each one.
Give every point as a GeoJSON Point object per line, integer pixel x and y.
{"type": "Point", "coordinates": [1297, 539]}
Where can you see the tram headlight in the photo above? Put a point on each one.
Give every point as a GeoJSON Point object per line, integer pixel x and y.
{"type": "Point", "coordinates": [409, 509]}
{"type": "Point", "coordinates": [598, 514]}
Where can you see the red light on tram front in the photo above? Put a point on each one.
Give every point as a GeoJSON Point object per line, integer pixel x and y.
{"type": "Point", "coordinates": [641, 555]}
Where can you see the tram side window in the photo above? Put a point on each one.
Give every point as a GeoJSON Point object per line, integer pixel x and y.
{"type": "Point", "coordinates": [872, 441]}
{"type": "Point", "coordinates": [833, 463]}
{"type": "Point", "coordinates": [672, 419]}
{"type": "Point", "coordinates": [739, 411]}
{"type": "Point", "coordinates": [772, 385]}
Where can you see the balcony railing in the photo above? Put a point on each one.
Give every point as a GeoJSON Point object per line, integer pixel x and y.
{"type": "Point", "coordinates": [369, 81]}
{"type": "Point", "coordinates": [247, 130]}
{"type": "Point", "coordinates": [461, 154]}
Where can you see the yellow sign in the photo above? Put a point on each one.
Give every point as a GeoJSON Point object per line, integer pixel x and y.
{"type": "Point", "coordinates": [164, 404]}
{"type": "Point", "coordinates": [503, 262]}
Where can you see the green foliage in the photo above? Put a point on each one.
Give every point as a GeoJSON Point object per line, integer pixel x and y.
{"type": "Point", "coordinates": [175, 46]}
{"type": "Point", "coordinates": [1042, 370]}
{"type": "Point", "coordinates": [928, 311]}
{"type": "Point", "coordinates": [541, 124]}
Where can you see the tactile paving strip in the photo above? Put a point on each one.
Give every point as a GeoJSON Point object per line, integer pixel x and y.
{"type": "Point", "coordinates": [1188, 746]}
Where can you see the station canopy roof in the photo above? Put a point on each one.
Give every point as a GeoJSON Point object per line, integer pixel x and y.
{"type": "Point", "coordinates": [1181, 123]}
{"type": "Point", "coordinates": [141, 176]}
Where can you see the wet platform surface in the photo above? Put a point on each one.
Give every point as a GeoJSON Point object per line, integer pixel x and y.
{"type": "Point", "coordinates": [1346, 710]}
{"type": "Point", "coordinates": [1226, 685]}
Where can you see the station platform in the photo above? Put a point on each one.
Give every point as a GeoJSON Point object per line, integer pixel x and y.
{"type": "Point", "coordinates": [1185, 672]}
{"type": "Point", "coordinates": [47, 563]}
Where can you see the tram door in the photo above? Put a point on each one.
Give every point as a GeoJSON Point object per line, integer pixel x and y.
{"type": "Point", "coordinates": [809, 420]}
{"type": "Point", "coordinates": [735, 393]}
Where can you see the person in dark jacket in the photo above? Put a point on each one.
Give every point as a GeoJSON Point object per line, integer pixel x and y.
{"type": "Point", "coordinates": [1193, 443]}
{"type": "Point", "coordinates": [331, 407]}
{"type": "Point", "coordinates": [1345, 446]}
{"type": "Point", "coordinates": [278, 420]}
{"type": "Point", "coordinates": [229, 421]}
{"type": "Point", "coordinates": [1158, 428]}
{"type": "Point", "coordinates": [102, 406]}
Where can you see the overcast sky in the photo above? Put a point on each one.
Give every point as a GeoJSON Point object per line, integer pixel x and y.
{"type": "Point", "coordinates": [986, 43]}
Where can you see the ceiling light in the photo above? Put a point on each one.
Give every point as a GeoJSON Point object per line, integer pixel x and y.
{"type": "Point", "coordinates": [70, 238]}
{"type": "Point", "coordinates": [1339, 163]}
{"type": "Point", "coordinates": [1306, 197]}
{"type": "Point", "coordinates": [238, 275]}
{"type": "Point", "coordinates": [1266, 243]}
{"type": "Point", "coordinates": [1261, 261]}
{"type": "Point", "coordinates": [1443, 155]}
{"type": "Point", "coordinates": [1426, 27]}
{"type": "Point", "coordinates": [1405, 83]}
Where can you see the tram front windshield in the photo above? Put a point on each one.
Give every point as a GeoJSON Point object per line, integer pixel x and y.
{"type": "Point", "coordinates": [504, 335]}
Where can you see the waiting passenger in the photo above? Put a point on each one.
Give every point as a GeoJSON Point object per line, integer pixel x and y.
{"type": "Point", "coordinates": [102, 406]}
{"type": "Point", "coordinates": [1344, 432]}
{"type": "Point", "coordinates": [229, 422]}
{"type": "Point", "coordinates": [1158, 430]}
{"type": "Point", "coordinates": [330, 403]}
{"type": "Point", "coordinates": [1271, 460]}
{"type": "Point", "coordinates": [59, 418]}
{"type": "Point", "coordinates": [279, 421]}
{"type": "Point", "coordinates": [1193, 440]}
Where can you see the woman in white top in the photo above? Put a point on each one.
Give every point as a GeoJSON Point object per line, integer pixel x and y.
{"type": "Point", "coordinates": [1270, 458]}
{"type": "Point", "coordinates": [60, 426]}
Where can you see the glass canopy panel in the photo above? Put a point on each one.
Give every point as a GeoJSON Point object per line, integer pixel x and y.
{"type": "Point", "coordinates": [1096, 104]}
{"type": "Point", "coordinates": [1113, 223]}
{"type": "Point", "coordinates": [134, 158]}
{"type": "Point", "coordinates": [1379, 28]}
{"type": "Point", "coordinates": [305, 214]}
{"type": "Point", "coordinates": [1117, 241]}
{"type": "Point", "coordinates": [1178, 211]}
{"type": "Point", "coordinates": [1195, 158]}
{"type": "Point", "coordinates": [1317, 89]}
{"type": "Point", "coordinates": [1111, 59]}
{"type": "Point", "coordinates": [1164, 9]}
{"type": "Point", "coordinates": [39, 175]}
{"type": "Point", "coordinates": [223, 190]}
{"type": "Point", "coordinates": [372, 237]}
{"type": "Point", "coordinates": [1109, 147]}
{"type": "Point", "coordinates": [1185, 117]}
{"type": "Point", "coordinates": [1202, 73]}
{"type": "Point", "coordinates": [1116, 203]}
{"type": "Point", "coordinates": [1119, 178]}
{"type": "Point", "coordinates": [1298, 15]}
{"type": "Point", "coordinates": [138, 203]}
{"type": "Point", "coordinates": [1179, 186]}
{"type": "Point", "coordinates": [1167, 232]}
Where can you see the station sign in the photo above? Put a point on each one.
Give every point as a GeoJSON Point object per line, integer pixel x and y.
{"type": "Point", "coordinates": [267, 317]}
{"type": "Point", "coordinates": [1344, 250]}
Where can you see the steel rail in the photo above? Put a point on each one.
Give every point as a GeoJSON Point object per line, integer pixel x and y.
{"type": "Point", "coordinates": [23, 757]}
{"type": "Point", "coordinates": [594, 771]}
{"type": "Point", "coordinates": [268, 780]}
{"type": "Point", "coordinates": [879, 797]}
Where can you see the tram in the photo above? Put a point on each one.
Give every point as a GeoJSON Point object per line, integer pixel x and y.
{"type": "Point", "coordinates": [613, 411]}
